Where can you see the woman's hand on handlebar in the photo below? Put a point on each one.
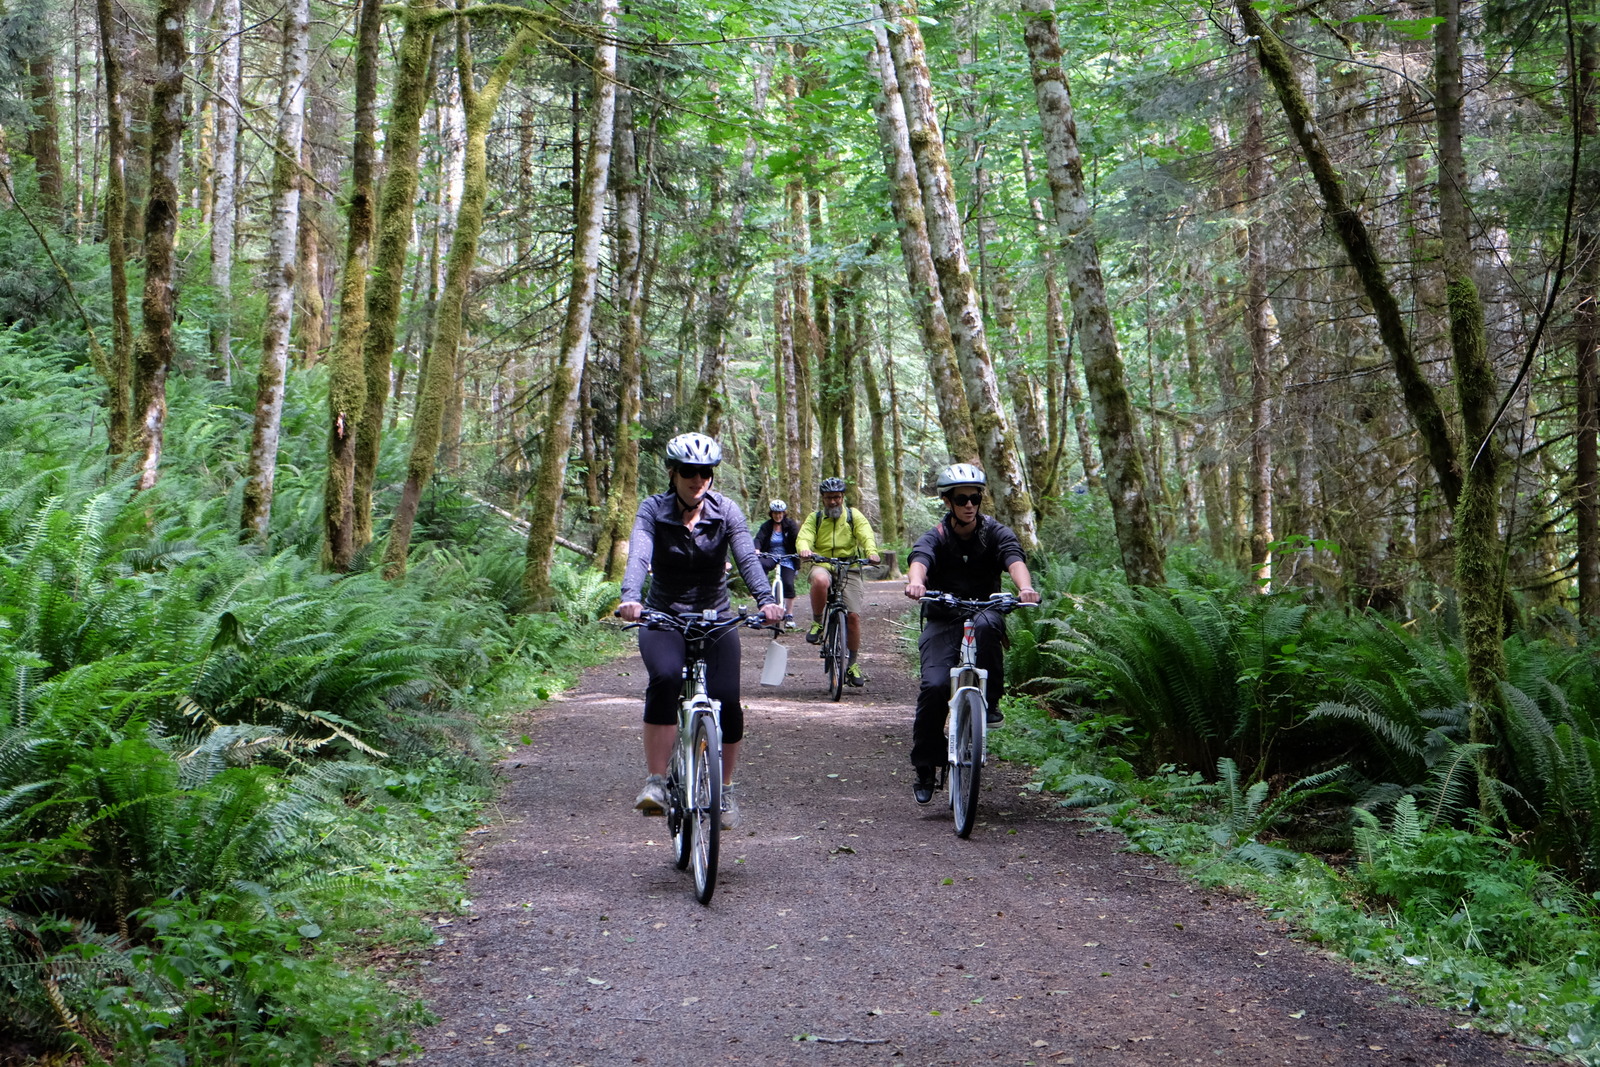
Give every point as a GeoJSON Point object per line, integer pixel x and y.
{"type": "Point", "coordinates": [1028, 596]}
{"type": "Point", "coordinates": [630, 610]}
{"type": "Point", "coordinates": [772, 614]}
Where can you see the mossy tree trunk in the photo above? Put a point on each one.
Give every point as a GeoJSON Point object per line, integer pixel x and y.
{"type": "Point", "coordinates": [631, 190]}
{"type": "Point", "coordinates": [1124, 473]}
{"type": "Point", "coordinates": [153, 352]}
{"type": "Point", "coordinates": [1421, 402]}
{"type": "Point", "coordinates": [118, 429]}
{"type": "Point", "coordinates": [396, 208]}
{"type": "Point", "coordinates": [44, 132]}
{"type": "Point", "coordinates": [950, 395]}
{"type": "Point", "coordinates": [435, 389]}
{"type": "Point", "coordinates": [883, 465]}
{"type": "Point", "coordinates": [256, 512]}
{"type": "Point", "coordinates": [996, 443]}
{"type": "Point", "coordinates": [1479, 561]}
{"type": "Point", "coordinates": [569, 367]}
{"type": "Point", "coordinates": [347, 382]}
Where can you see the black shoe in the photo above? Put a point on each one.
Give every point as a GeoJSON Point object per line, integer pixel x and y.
{"type": "Point", "coordinates": [993, 716]}
{"type": "Point", "coordinates": [926, 784]}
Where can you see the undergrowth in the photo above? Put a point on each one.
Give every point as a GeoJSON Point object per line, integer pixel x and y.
{"type": "Point", "coordinates": [225, 775]}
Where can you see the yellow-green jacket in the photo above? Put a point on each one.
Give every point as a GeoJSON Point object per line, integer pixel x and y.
{"type": "Point", "coordinates": [848, 536]}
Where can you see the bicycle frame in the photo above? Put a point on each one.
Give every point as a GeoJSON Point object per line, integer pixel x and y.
{"type": "Point", "coordinates": [967, 675]}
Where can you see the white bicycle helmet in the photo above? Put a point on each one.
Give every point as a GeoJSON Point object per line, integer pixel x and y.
{"type": "Point", "coordinates": [694, 450]}
{"type": "Point", "coordinates": [960, 474]}
{"type": "Point", "coordinates": [831, 485]}
{"type": "Point", "coordinates": [777, 505]}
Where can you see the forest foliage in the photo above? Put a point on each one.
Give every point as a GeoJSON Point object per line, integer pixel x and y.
{"type": "Point", "coordinates": [342, 341]}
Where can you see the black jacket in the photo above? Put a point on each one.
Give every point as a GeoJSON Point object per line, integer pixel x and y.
{"type": "Point", "coordinates": [791, 530]}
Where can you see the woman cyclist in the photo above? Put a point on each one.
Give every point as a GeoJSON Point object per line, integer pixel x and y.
{"type": "Point", "coordinates": [682, 538]}
{"type": "Point", "coordinates": [775, 540]}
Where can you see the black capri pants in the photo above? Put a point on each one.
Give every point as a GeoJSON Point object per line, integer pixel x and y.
{"type": "Point", "coordinates": [664, 652]}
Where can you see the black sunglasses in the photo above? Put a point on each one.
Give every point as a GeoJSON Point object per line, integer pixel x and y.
{"type": "Point", "coordinates": [697, 472]}
{"type": "Point", "coordinates": [962, 499]}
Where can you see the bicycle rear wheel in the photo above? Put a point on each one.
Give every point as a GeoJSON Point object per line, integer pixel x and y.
{"type": "Point", "coordinates": [833, 653]}
{"type": "Point", "coordinates": [966, 722]}
{"type": "Point", "coordinates": [705, 804]}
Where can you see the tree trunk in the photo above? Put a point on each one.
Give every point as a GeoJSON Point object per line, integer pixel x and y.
{"type": "Point", "coordinates": [803, 329]}
{"type": "Point", "coordinates": [118, 428]}
{"type": "Point", "coordinates": [1142, 556]}
{"type": "Point", "coordinates": [224, 189]}
{"type": "Point", "coordinates": [397, 204]}
{"type": "Point", "coordinates": [631, 190]}
{"type": "Point", "coordinates": [897, 456]}
{"type": "Point", "coordinates": [883, 462]}
{"type": "Point", "coordinates": [575, 334]}
{"type": "Point", "coordinates": [256, 514]}
{"type": "Point", "coordinates": [1586, 489]}
{"type": "Point", "coordinates": [44, 135]}
{"type": "Point", "coordinates": [1058, 350]}
{"type": "Point", "coordinates": [793, 402]}
{"type": "Point", "coordinates": [1261, 328]}
{"type": "Point", "coordinates": [347, 382]}
{"type": "Point", "coordinates": [1479, 572]}
{"type": "Point", "coordinates": [996, 444]}
{"type": "Point", "coordinates": [1421, 402]}
{"type": "Point", "coordinates": [434, 390]}
{"type": "Point", "coordinates": [710, 393]}
{"type": "Point", "coordinates": [154, 351]}
{"type": "Point", "coordinates": [955, 415]}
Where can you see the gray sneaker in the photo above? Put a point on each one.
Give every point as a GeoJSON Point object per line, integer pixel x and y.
{"type": "Point", "coordinates": [652, 798]}
{"type": "Point", "coordinates": [730, 809]}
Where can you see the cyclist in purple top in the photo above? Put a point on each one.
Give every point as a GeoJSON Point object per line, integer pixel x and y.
{"type": "Point", "coordinates": [681, 539]}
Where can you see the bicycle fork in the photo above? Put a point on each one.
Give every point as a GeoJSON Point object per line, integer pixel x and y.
{"type": "Point", "coordinates": [966, 676]}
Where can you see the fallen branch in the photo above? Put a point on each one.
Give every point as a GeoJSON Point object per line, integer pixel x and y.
{"type": "Point", "coordinates": [842, 1040]}
{"type": "Point", "coordinates": [522, 527]}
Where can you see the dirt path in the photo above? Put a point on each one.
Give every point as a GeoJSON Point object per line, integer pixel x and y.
{"type": "Point", "coordinates": [852, 927]}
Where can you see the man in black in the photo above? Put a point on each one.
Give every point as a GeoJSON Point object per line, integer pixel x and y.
{"type": "Point", "coordinates": [965, 554]}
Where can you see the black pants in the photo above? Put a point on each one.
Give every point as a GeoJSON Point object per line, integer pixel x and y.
{"type": "Point", "coordinates": [664, 652]}
{"type": "Point", "coordinates": [940, 649]}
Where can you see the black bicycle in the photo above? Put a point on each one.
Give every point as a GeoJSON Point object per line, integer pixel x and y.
{"type": "Point", "coordinates": [694, 777]}
{"type": "Point", "coordinates": [966, 727]}
{"type": "Point", "coordinates": [835, 657]}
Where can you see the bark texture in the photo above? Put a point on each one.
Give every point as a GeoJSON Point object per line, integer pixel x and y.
{"type": "Point", "coordinates": [396, 208]}
{"type": "Point", "coordinates": [224, 188]}
{"type": "Point", "coordinates": [119, 429]}
{"type": "Point", "coordinates": [575, 333]}
{"type": "Point", "coordinates": [1420, 399]}
{"type": "Point", "coordinates": [996, 443]}
{"type": "Point", "coordinates": [922, 282]}
{"type": "Point", "coordinates": [347, 381]}
{"type": "Point", "coordinates": [1123, 468]}
{"type": "Point", "coordinates": [256, 514]}
{"type": "Point", "coordinates": [435, 389]}
{"type": "Point", "coordinates": [154, 350]}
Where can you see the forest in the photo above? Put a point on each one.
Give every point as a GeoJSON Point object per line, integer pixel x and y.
{"type": "Point", "coordinates": [342, 341]}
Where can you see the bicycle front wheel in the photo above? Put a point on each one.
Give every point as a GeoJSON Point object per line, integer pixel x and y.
{"type": "Point", "coordinates": [833, 654]}
{"type": "Point", "coordinates": [705, 804]}
{"type": "Point", "coordinates": [966, 723]}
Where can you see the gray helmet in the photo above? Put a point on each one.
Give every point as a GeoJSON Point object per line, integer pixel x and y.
{"type": "Point", "coordinates": [777, 505]}
{"type": "Point", "coordinates": [831, 485]}
{"type": "Point", "coordinates": [694, 450]}
{"type": "Point", "coordinates": [960, 474]}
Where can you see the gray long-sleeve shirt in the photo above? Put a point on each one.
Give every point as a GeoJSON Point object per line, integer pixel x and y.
{"type": "Point", "coordinates": [688, 568]}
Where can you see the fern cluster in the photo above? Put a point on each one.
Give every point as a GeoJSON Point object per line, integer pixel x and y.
{"type": "Point", "coordinates": [202, 743]}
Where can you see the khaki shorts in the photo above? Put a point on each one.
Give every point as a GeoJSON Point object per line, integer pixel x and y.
{"type": "Point", "coordinates": [855, 587]}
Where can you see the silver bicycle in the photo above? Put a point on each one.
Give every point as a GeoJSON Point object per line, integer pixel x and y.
{"type": "Point", "coordinates": [967, 725]}
{"type": "Point", "coordinates": [694, 776]}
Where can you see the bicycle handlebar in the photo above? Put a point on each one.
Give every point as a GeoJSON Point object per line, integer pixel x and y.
{"type": "Point", "coordinates": [697, 625]}
{"type": "Point", "coordinates": [1004, 603]}
{"type": "Point", "coordinates": [832, 561]}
